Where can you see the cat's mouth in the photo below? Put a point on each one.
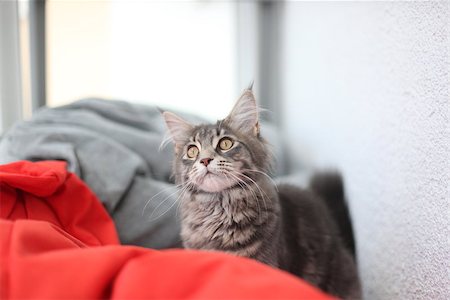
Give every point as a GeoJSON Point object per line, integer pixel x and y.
{"type": "Point", "coordinates": [210, 174]}
{"type": "Point", "coordinates": [214, 182]}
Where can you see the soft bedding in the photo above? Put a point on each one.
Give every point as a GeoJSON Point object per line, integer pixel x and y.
{"type": "Point", "coordinates": [114, 147]}
{"type": "Point", "coordinates": [57, 242]}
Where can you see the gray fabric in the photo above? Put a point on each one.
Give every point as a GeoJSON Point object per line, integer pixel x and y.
{"type": "Point", "coordinates": [114, 147]}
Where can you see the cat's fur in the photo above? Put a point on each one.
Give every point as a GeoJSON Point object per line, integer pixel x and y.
{"type": "Point", "coordinates": [229, 203]}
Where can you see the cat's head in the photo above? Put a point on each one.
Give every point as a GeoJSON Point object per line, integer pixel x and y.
{"type": "Point", "coordinates": [216, 157]}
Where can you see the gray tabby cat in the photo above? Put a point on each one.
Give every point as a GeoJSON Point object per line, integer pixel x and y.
{"type": "Point", "coordinates": [228, 203]}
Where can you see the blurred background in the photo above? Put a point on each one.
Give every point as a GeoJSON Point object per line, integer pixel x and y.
{"type": "Point", "coordinates": [359, 86]}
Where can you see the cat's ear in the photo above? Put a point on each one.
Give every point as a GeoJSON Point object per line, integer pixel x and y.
{"type": "Point", "coordinates": [178, 127]}
{"type": "Point", "coordinates": [244, 115]}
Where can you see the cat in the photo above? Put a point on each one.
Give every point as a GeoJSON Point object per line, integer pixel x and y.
{"type": "Point", "coordinates": [230, 204]}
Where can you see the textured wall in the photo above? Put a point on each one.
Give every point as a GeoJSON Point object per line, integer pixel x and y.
{"type": "Point", "coordinates": [366, 89]}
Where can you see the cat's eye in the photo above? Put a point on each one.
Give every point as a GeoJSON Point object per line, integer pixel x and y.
{"type": "Point", "coordinates": [225, 144]}
{"type": "Point", "coordinates": [192, 151]}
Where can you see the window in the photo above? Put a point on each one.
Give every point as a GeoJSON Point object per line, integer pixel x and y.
{"type": "Point", "coordinates": [180, 55]}
{"type": "Point", "coordinates": [195, 56]}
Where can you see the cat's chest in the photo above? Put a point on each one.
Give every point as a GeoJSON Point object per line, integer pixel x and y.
{"type": "Point", "coordinates": [227, 210]}
{"type": "Point", "coordinates": [218, 222]}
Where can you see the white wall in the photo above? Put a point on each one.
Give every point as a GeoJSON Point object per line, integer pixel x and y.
{"type": "Point", "coordinates": [366, 89]}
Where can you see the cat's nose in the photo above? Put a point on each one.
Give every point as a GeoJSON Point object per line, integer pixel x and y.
{"type": "Point", "coordinates": [206, 161]}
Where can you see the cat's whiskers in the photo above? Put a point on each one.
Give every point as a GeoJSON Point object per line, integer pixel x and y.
{"type": "Point", "coordinates": [249, 188]}
{"type": "Point", "coordinates": [238, 181]}
{"type": "Point", "coordinates": [196, 173]}
{"type": "Point", "coordinates": [156, 208]}
{"type": "Point", "coordinates": [166, 199]}
{"type": "Point", "coordinates": [224, 172]}
{"type": "Point", "coordinates": [224, 168]}
{"type": "Point", "coordinates": [259, 189]}
{"type": "Point", "coordinates": [244, 187]}
{"type": "Point", "coordinates": [162, 191]}
{"type": "Point", "coordinates": [183, 193]}
{"type": "Point", "coordinates": [265, 174]}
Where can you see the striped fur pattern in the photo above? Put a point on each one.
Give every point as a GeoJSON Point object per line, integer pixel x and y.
{"type": "Point", "coordinates": [230, 204]}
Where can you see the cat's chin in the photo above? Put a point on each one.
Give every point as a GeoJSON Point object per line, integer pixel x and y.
{"type": "Point", "coordinates": [213, 183]}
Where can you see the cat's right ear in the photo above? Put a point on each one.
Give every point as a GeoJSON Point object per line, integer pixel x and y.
{"type": "Point", "coordinates": [178, 127]}
{"type": "Point", "coordinates": [244, 115]}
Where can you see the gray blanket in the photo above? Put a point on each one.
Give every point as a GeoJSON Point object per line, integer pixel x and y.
{"type": "Point", "coordinates": [114, 147]}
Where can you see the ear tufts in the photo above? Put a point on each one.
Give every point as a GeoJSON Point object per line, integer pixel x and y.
{"type": "Point", "coordinates": [250, 86]}
{"type": "Point", "coordinates": [244, 115]}
{"type": "Point", "coordinates": [178, 127]}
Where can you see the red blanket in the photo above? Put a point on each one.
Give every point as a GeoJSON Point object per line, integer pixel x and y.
{"type": "Point", "coordinates": [57, 241]}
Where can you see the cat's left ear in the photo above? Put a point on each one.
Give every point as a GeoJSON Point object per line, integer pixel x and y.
{"type": "Point", "coordinates": [179, 129]}
{"type": "Point", "coordinates": [244, 115]}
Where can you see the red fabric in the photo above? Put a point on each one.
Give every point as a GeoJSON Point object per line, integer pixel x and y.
{"type": "Point", "coordinates": [57, 241]}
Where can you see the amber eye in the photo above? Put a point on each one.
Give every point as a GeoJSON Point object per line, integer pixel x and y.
{"type": "Point", "coordinates": [225, 143]}
{"type": "Point", "coordinates": [192, 151]}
